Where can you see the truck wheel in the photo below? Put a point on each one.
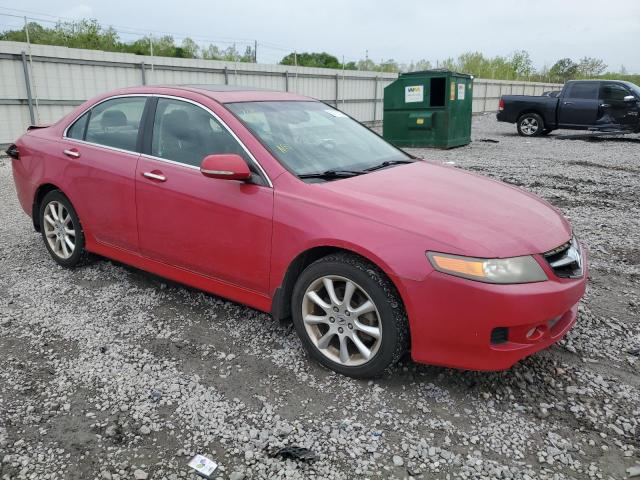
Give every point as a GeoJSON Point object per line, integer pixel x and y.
{"type": "Point", "coordinates": [530, 125]}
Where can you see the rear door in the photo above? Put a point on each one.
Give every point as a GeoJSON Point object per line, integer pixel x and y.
{"type": "Point", "coordinates": [614, 111]}
{"type": "Point", "coordinates": [217, 228]}
{"type": "Point", "coordinates": [579, 105]}
{"type": "Point", "coordinates": [101, 150]}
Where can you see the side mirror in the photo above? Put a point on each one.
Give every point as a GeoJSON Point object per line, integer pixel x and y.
{"type": "Point", "coordinates": [227, 166]}
{"type": "Point", "coordinates": [629, 98]}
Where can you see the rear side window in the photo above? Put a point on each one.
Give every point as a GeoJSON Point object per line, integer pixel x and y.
{"type": "Point", "coordinates": [77, 130]}
{"type": "Point", "coordinates": [186, 133]}
{"type": "Point", "coordinates": [115, 123]}
{"type": "Point", "coordinates": [584, 90]}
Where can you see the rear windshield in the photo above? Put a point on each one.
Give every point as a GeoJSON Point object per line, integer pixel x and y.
{"type": "Point", "coordinates": [311, 137]}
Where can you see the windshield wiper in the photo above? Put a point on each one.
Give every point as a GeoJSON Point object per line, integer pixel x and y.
{"type": "Point", "coordinates": [332, 174]}
{"type": "Point", "coordinates": [387, 163]}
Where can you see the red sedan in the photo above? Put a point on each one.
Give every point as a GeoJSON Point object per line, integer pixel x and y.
{"type": "Point", "coordinates": [285, 204]}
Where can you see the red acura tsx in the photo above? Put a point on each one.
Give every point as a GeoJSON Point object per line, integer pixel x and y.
{"type": "Point", "coordinates": [285, 204]}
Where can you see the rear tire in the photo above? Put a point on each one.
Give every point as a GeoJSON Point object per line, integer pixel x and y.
{"type": "Point", "coordinates": [61, 230]}
{"type": "Point", "coordinates": [530, 125]}
{"type": "Point", "coordinates": [349, 316]}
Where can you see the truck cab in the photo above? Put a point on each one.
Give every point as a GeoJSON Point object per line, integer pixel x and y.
{"type": "Point", "coordinates": [603, 105]}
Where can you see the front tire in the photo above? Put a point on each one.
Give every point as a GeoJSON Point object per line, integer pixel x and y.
{"type": "Point", "coordinates": [530, 125]}
{"type": "Point", "coordinates": [349, 316]}
{"type": "Point", "coordinates": [61, 230]}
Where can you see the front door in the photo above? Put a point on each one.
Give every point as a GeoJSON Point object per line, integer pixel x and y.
{"type": "Point", "coordinates": [579, 105]}
{"type": "Point", "coordinates": [614, 110]}
{"type": "Point", "coordinates": [218, 228]}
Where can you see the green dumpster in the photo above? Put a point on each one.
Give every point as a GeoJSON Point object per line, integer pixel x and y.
{"type": "Point", "coordinates": [428, 109]}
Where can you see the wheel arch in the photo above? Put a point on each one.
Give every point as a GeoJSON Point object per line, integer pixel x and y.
{"type": "Point", "coordinates": [531, 110]}
{"type": "Point", "coordinates": [39, 195]}
{"type": "Point", "coordinates": [281, 301]}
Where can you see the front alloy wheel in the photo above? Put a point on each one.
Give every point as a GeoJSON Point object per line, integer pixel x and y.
{"type": "Point", "coordinates": [349, 316]}
{"type": "Point", "coordinates": [341, 320]}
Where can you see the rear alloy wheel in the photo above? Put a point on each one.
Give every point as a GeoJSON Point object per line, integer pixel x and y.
{"type": "Point", "coordinates": [349, 317]}
{"type": "Point", "coordinates": [61, 230]}
{"type": "Point", "coordinates": [530, 125]}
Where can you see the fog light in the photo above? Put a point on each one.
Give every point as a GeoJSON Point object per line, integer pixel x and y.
{"type": "Point", "coordinates": [536, 332]}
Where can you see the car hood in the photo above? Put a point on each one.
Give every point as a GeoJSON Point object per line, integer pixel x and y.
{"type": "Point", "coordinates": [473, 215]}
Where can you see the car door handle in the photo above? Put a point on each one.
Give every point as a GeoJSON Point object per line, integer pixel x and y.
{"type": "Point", "coordinates": [155, 176]}
{"type": "Point", "coordinates": [605, 105]}
{"type": "Point", "coordinates": [71, 152]}
{"type": "Point", "coordinates": [567, 103]}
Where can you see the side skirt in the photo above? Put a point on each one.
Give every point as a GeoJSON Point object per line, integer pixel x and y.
{"type": "Point", "coordinates": [211, 285]}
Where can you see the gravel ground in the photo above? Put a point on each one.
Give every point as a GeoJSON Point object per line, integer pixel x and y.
{"type": "Point", "coordinates": [108, 372]}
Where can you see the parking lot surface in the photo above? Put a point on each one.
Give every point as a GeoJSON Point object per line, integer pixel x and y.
{"type": "Point", "coordinates": [108, 372]}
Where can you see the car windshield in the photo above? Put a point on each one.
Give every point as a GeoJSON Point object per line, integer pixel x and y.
{"type": "Point", "coordinates": [311, 138]}
{"type": "Point", "coordinates": [635, 88]}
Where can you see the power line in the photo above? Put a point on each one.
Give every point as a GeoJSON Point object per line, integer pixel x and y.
{"type": "Point", "coordinates": [124, 30]}
{"type": "Point", "coordinates": [120, 27]}
{"type": "Point", "coordinates": [141, 33]}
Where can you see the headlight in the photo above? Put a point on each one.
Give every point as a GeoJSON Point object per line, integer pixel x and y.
{"type": "Point", "coordinates": [490, 270]}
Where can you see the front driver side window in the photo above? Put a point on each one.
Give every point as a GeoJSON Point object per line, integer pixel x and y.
{"type": "Point", "coordinates": [186, 133]}
{"type": "Point", "coordinates": [612, 92]}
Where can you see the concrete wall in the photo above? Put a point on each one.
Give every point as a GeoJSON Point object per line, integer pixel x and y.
{"type": "Point", "coordinates": [61, 78]}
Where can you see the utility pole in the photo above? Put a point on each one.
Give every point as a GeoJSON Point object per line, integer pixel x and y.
{"type": "Point", "coordinates": [295, 63]}
{"type": "Point", "coordinates": [151, 51]}
{"type": "Point", "coordinates": [343, 82]}
{"type": "Point", "coordinates": [32, 79]}
{"type": "Point", "coordinates": [255, 51]}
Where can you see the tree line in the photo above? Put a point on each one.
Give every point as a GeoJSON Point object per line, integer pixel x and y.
{"type": "Point", "coordinates": [91, 35]}
{"type": "Point", "coordinates": [518, 65]}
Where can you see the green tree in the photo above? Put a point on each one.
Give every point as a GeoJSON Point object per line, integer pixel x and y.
{"type": "Point", "coordinates": [229, 54]}
{"type": "Point", "coordinates": [388, 66]}
{"type": "Point", "coordinates": [590, 67]}
{"type": "Point", "coordinates": [314, 59]}
{"type": "Point", "coordinates": [190, 48]}
{"type": "Point", "coordinates": [563, 70]}
{"type": "Point", "coordinates": [367, 65]}
{"type": "Point", "coordinates": [78, 34]}
{"type": "Point", "coordinates": [418, 66]}
{"type": "Point", "coordinates": [521, 63]}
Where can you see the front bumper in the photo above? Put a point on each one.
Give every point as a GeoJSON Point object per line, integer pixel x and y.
{"type": "Point", "coordinates": [453, 321]}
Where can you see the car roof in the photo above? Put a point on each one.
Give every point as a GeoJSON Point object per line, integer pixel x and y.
{"type": "Point", "coordinates": [224, 93]}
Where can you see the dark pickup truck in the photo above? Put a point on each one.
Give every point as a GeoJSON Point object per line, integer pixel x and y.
{"type": "Point", "coordinates": [602, 105]}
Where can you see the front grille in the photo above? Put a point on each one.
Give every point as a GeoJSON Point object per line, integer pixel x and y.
{"type": "Point", "coordinates": [499, 335]}
{"type": "Point", "coordinates": [566, 260]}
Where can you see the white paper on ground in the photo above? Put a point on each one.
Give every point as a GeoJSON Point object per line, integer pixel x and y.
{"type": "Point", "coordinates": [203, 465]}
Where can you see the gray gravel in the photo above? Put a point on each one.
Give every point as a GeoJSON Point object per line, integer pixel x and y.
{"type": "Point", "coordinates": [108, 372]}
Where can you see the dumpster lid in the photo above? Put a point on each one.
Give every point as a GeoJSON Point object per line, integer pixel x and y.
{"type": "Point", "coordinates": [435, 71]}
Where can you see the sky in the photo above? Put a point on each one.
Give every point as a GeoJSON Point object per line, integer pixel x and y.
{"type": "Point", "coordinates": [401, 30]}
